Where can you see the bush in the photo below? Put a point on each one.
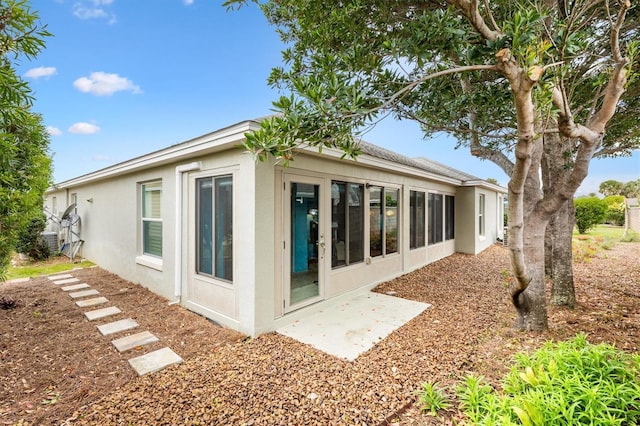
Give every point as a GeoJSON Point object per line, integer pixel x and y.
{"type": "Point", "coordinates": [30, 241]}
{"type": "Point", "coordinates": [615, 210]}
{"type": "Point", "coordinates": [589, 211]}
{"type": "Point", "coordinates": [566, 383]}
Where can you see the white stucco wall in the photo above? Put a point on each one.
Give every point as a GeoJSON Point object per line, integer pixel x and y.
{"type": "Point", "coordinates": [253, 303]}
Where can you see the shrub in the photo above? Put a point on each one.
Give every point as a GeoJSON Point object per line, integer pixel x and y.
{"type": "Point", "coordinates": [589, 212]}
{"type": "Point", "coordinates": [30, 239]}
{"type": "Point", "coordinates": [571, 382]}
{"type": "Point", "coordinates": [615, 210]}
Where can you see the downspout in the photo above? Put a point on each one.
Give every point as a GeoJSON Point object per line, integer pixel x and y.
{"type": "Point", "coordinates": [177, 289]}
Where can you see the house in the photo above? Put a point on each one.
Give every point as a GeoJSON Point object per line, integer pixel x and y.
{"type": "Point", "coordinates": [253, 245]}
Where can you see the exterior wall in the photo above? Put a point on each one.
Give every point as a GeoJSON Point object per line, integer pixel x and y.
{"type": "Point", "coordinates": [110, 211]}
{"type": "Point", "coordinates": [468, 238]}
{"type": "Point", "coordinates": [364, 274]}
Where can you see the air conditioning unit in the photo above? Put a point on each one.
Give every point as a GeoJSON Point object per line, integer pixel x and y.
{"type": "Point", "coordinates": [51, 239]}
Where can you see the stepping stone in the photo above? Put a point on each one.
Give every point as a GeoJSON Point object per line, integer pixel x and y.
{"type": "Point", "coordinates": [59, 276]}
{"type": "Point", "coordinates": [101, 313]}
{"type": "Point", "coordinates": [91, 302]}
{"type": "Point", "coordinates": [83, 293]}
{"type": "Point", "coordinates": [18, 280]}
{"type": "Point", "coordinates": [75, 287]}
{"type": "Point", "coordinates": [66, 281]}
{"type": "Point", "coordinates": [129, 342]}
{"type": "Point", "coordinates": [117, 326]}
{"type": "Point", "coordinates": [154, 361]}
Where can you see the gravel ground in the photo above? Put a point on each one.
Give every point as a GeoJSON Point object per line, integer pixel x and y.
{"type": "Point", "coordinates": [272, 379]}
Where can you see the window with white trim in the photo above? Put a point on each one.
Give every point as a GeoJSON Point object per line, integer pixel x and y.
{"type": "Point", "coordinates": [151, 195]}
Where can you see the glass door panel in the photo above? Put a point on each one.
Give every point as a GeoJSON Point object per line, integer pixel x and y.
{"type": "Point", "coordinates": [305, 242]}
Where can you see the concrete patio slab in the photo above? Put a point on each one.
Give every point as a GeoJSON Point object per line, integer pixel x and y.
{"type": "Point", "coordinates": [75, 287]}
{"type": "Point", "coordinates": [66, 281]}
{"type": "Point", "coordinates": [154, 361]}
{"type": "Point", "coordinates": [354, 324]}
{"type": "Point", "coordinates": [83, 293]}
{"type": "Point", "coordinates": [91, 302]}
{"type": "Point", "coordinates": [117, 326]}
{"type": "Point", "coordinates": [101, 313]}
{"type": "Point", "coordinates": [59, 276]}
{"type": "Point", "coordinates": [126, 343]}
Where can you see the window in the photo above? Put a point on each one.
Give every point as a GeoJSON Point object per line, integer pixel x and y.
{"type": "Point", "coordinates": [442, 218]}
{"type": "Point", "coordinates": [435, 218]}
{"type": "Point", "coordinates": [151, 218]}
{"type": "Point", "coordinates": [481, 215]}
{"type": "Point", "coordinates": [74, 200]}
{"type": "Point", "coordinates": [416, 219]}
{"type": "Point", "coordinates": [54, 205]}
{"type": "Point", "coordinates": [214, 227]}
{"type": "Point", "coordinates": [449, 217]}
{"type": "Point", "coordinates": [383, 224]}
{"type": "Point", "coordinates": [347, 223]}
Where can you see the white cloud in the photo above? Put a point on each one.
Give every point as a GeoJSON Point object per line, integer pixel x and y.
{"type": "Point", "coordinates": [188, 2]}
{"type": "Point", "coordinates": [84, 128]}
{"type": "Point", "coordinates": [36, 73]}
{"type": "Point", "coordinates": [103, 84]}
{"type": "Point", "coordinates": [54, 131]}
{"type": "Point", "coordinates": [93, 10]}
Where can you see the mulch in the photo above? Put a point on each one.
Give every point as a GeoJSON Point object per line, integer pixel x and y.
{"type": "Point", "coordinates": [57, 369]}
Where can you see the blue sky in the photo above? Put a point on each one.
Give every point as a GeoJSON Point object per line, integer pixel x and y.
{"type": "Point", "coordinates": [121, 78]}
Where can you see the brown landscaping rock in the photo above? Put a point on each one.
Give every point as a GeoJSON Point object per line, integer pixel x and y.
{"type": "Point", "coordinates": [47, 348]}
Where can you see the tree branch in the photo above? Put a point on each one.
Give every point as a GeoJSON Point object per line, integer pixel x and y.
{"type": "Point", "coordinates": [469, 9]}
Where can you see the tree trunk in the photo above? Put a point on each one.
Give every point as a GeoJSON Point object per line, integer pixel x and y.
{"type": "Point", "coordinates": [531, 304]}
{"type": "Point", "coordinates": [562, 288]}
{"type": "Point", "coordinates": [558, 240]}
{"type": "Point", "coordinates": [548, 248]}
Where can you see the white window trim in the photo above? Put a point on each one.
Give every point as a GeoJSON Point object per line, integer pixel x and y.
{"type": "Point", "coordinates": [150, 261]}
{"type": "Point", "coordinates": [147, 259]}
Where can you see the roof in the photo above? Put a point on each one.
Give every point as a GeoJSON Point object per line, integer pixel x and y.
{"type": "Point", "coordinates": [419, 163]}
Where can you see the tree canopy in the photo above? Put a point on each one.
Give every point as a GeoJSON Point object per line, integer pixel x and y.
{"type": "Point", "coordinates": [629, 189]}
{"type": "Point", "coordinates": [508, 79]}
{"type": "Point", "coordinates": [25, 166]}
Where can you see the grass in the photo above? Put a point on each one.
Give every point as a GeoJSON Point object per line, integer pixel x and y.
{"type": "Point", "coordinates": [53, 265]}
{"type": "Point", "coordinates": [601, 237]}
{"type": "Point", "coordinates": [604, 231]}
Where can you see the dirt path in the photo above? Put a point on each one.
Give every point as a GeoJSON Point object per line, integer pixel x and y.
{"type": "Point", "coordinates": [57, 367]}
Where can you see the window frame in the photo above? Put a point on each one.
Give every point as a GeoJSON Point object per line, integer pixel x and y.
{"type": "Point", "coordinates": [219, 271]}
{"type": "Point", "coordinates": [482, 217]}
{"type": "Point", "coordinates": [144, 219]}
{"type": "Point", "coordinates": [417, 220]}
{"type": "Point", "coordinates": [348, 225]}
{"type": "Point", "coordinates": [449, 217]}
{"type": "Point", "coordinates": [384, 217]}
{"type": "Point", "coordinates": [435, 218]}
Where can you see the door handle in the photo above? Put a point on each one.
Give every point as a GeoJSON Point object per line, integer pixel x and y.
{"type": "Point", "coordinates": [322, 246]}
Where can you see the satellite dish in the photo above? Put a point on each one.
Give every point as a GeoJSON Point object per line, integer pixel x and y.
{"type": "Point", "coordinates": [68, 211]}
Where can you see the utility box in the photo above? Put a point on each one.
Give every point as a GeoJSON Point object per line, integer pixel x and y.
{"type": "Point", "coordinates": [51, 239]}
